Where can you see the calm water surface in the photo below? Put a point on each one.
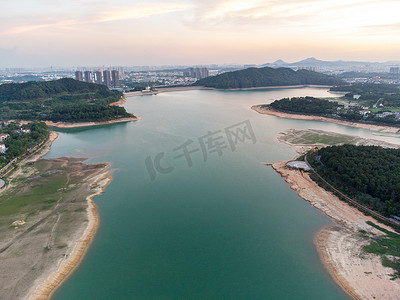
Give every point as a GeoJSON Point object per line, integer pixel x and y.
{"type": "Point", "coordinates": [225, 228]}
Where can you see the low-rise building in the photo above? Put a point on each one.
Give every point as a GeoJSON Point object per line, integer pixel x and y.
{"type": "Point", "coordinates": [384, 114]}
{"type": "Point", "coordinates": [3, 148]}
{"type": "Point", "coordinates": [25, 130]}
{"type": "Point", "coordinates": [3, 136]}
{"type": "Point", "coordinates": [364, 112]}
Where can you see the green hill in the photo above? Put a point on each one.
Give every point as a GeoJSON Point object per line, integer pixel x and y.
{"type": "Point", "coordinates": [44, 90]}
{"type": "Point", "coordinates": [59, 100]}
{"type": "Point", "coordinates": [263, 77]}
{"type": "Point", "coordinates": [368, 174]}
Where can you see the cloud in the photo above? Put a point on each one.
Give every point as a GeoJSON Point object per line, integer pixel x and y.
{"type": "Point", "coordinates": [144, 11]}
{"type": "Point", "coordinates": [381, 30]}
{"type": "Point", "coordinates": [319, 14]}
{"type": "Point", "coordinates": [104, 14]}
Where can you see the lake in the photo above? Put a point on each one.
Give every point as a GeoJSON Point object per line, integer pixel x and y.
{"type": "Point", "coordinates": [191, 212]}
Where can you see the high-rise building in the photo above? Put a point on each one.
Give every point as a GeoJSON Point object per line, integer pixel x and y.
{"type": "Point", "coordinates": [115, 78]}
{"type": "Point", "coordinates": [198, 73]}
{"type": "Point", "coordinates": [394, 70]}
{"type": "Point", "coordinates": [204, 72]}
{"type": "Point", "coordinates": [107, 78]}
{"type": "Point", "coordinates": [79, 75]}
{"type": "Point", "coordinates": [88, 76]}
{"type": "Point", "coordinates": [121, 72]}
{"type": "Point", "coordinates": [99, 77]}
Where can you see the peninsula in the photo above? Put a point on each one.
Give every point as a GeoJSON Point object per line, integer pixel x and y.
{"type": "Point", "coordinates": [48, 218]}
{"type": "Point", "coordinates": [62, 101]}
{"type": "Point", "coordinates": [359, 254]}
{"type": "Point", "coordinates": [369, 104]}
{"type": "Point", "coordinates": [268, 110]}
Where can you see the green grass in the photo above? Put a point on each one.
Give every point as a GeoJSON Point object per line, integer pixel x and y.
{"type": "Point", "coordinates": [39, 196]}
{"type": "Point", "coordinates": [312, 138]}
{"type": "Point", "coordinates": [383, 109]}
{"type": "Point", "coordinates": [387, 247]}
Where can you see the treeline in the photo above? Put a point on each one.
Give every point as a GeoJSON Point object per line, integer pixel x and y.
{"type": "Point", "coordinates": [260, 77]}
{"type": "Point", "coordinates": [360, 88]}
{"type": "Point", "coordinates": [19, 142]}
{"type": "Point", "coordinates": [322, 107]}
{"type": "Point", "coordinates": [36, 90]}
{"type": "Point", "coordinates": [369, 93]}
{"type": "Point", "coordinates": [305, 105]}
{"type": "Point", "coordinates": [368, 174]}
{"type": "Point", "coordinates": [64, 100]}
{"type": "Point", "coordinates": [87, 113]}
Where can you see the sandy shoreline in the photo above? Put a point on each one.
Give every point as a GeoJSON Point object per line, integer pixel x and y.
{"type": "Point", "coordinates": [361, 275]}
{"type": "Point", "coordinates": [87, 124]}
{"type": "Point", "coordinates": [372, 127]}
{"type": "Point", "coordinates": [55, 279]}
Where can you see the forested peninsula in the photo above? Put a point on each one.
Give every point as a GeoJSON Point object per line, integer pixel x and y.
{"type": "Point", "coordinates": [388, 116]}
{"type": "Point", "coordinates": [63, 100]}
{"type": "Point", "coordinates": [264, 77]}
{"type": "Point", "coordinates": [368, 174]}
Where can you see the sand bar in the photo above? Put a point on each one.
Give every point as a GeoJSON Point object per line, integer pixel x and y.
{"type": "Point", "coordinates": [87, 124]}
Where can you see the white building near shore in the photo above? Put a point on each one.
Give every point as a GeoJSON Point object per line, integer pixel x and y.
{"type": "Point", "coordinates": [3, 148]}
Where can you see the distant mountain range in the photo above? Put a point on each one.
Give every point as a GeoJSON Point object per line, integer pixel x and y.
{"type": "Point", "coordinates": [333, 65]}
{"type": "Point", "coordinates": [266, 76]}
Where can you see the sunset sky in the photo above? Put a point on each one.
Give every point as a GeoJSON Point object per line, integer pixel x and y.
{"type": "Point", "coordinates": [36, 33]}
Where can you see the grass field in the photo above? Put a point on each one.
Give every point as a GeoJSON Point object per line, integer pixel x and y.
{"type": "Point", "coordinates": [313, 137]}
{"type": "Point", "coordinates": [392, 109]}
{"type": "Point", "coordinates": [37, 189]}
{"type": "Point", "coordinates": [387, 246]}
{"type": "Point", "coordinates": [43, 213]}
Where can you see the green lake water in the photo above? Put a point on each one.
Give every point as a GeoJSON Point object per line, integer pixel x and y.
{"type": "Point", "coordinates": [227, 227]}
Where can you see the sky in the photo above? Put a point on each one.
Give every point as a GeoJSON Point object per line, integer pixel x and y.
{"type": "Point", "coordinates": [39, 33]}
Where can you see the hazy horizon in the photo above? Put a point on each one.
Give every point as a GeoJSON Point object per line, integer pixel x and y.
{"type": "Point", "coordinates": [39, 33]}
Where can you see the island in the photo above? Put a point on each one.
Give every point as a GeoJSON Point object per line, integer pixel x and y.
{"type": "Point", "coordinates": [62, 101]}
{"type": "Point", "coordinates": [267, 77]}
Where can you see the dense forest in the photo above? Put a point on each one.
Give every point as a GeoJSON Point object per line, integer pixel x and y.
{"type": "Point", "coordinates": [19, 142]}
{"type": "Point", "coordinates": [305, 105]}
{"type": "Point", "coordinates": [48, 100]}
{"type": "Point", "coordinates": [368, 174]}
{"type": "Point", "coordinates": [87, 113]}
{"type": "Point", "coordinates": [260, 77]}
{"type": "Point", "coordinates": [57, 90]}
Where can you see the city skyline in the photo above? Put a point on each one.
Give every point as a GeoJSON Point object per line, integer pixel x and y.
{"type": "Point", "coordinates": [38, 33]}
